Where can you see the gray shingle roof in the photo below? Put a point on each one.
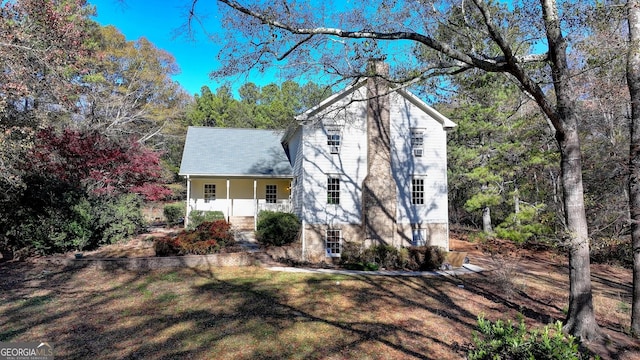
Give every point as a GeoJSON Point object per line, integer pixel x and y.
{"type": "Point", "coordinates": [233, 152]}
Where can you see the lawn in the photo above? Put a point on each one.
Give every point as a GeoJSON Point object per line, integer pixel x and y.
{"type": "Point", "coordinates": [256, 313]}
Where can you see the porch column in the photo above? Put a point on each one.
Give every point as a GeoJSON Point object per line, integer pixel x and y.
{"type": "Point", "coordinates": [228, 202]}
{"type": "Point", "coordinates": [255, 204]}
{"type": "Point", "coordinates": [186, 215]}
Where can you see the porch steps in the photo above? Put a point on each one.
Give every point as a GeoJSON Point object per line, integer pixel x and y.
{"type": "Point", "coordinates": [242, 223]}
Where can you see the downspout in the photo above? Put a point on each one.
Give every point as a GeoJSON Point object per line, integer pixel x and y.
{"type": "Point", "coordinates": [304, 240]}
{"type": "Point", "coordinates": [186, 216]}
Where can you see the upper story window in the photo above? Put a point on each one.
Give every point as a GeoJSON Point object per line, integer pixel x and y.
{"type": "Point", "coordinates": [333, 139]}
{"type": "Point", "coordinates": [209, 192]}
{"type": "Point", "coordinates": [333, 190]}
{"type": "Point", "coordinates": [417, 190]}
{"type": "Point", "coordinates": [417, 142]}
{"type": "Point", "coordinates": [271, 194]}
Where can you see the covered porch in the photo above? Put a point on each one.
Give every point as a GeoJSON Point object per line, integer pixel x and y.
{"type": "Point", "coordinates": [238, 197]}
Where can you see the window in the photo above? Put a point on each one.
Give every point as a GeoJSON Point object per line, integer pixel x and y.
{"type": "Point", "coordinates": [333, 190]}
{"type": "Point", "coordinates": [209, 192]}
{"type": "Point", "coordinates": [333, 242]}
{"type": "Point", "coordinates": [419, 237]}
{"type": "Point", "coordinates": [417, 190]}
{"type": "Point", "coordinates": [333, 140]}
{"type": "Point", "coordinates": [271, 194]}
{"type": "Point", "coordinates": [417, 142]}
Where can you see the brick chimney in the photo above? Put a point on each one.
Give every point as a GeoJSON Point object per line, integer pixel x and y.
{"type": "Point", "coordinates": [379, 193]}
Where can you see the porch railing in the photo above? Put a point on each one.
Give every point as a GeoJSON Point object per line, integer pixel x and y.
{"type": "Point", "coordinates": [280, 206]}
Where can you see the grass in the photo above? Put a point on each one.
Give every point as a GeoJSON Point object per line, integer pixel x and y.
{"type": "Point", "coordinates": [255, 313]}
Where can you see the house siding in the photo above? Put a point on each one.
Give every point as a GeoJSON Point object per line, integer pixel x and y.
{"type": "Point", "coordinates": [432, 166]}
{"type": "Point", "coordinates": [314, 163]}
{"type": "Point", "coordinates": [349, 165]}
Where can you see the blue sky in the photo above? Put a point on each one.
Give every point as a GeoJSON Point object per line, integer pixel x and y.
{"type": "Point", "coordinates": [158, 21]}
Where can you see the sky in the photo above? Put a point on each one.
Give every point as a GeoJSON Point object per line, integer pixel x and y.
{"type": "Point", "coordinates": [159, 21]}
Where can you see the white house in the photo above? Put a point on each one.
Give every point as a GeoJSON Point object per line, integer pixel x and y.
{"type": "Point", "coordinates": [368, 165]}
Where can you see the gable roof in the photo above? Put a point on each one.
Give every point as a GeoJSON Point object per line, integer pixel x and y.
{"type": "Point", "coordinates": [234, 152]}
{"type": "Point", "coordinates": [302, 118]}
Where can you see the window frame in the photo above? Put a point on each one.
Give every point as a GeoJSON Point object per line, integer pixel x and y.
{"type": "Point", "coordinates": [334, 139]}
{"type": "Point", "coordinates": [333, 190]}
{"type": "Point", "coordinates": [271, 193]}
{"type": "Point", "coordinates": [416, 140]}
{"type": "Point", "coordinates": [419, 237]}
{"type": "Point", "coordinates": [417, 190]}
{"type": "Point", "coordinates": [209, 195]}
{"type": "Point", "coordinates": [333, 242]}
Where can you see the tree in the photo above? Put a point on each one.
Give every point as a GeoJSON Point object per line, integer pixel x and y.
{"type": "Point", "coordinates": [92, 162]}
{"type": "Point", "coordinates": [128, 88]}
{"type": "Point", "coordinates": [270, 107]}
{"type": "Point", "coordinates": [44, 46]}
{"type": "Point", "coordinates": [633, 81]}
{"type": "Point", "coordinates": [290, 30]}
{"type": "Point", "coordinates": [498, 157]}
{"type": "Point", "coordinates": [82, 189]}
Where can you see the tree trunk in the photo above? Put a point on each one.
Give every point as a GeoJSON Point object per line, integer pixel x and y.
{"type": "Point", "coordinates": [486, 220]}
{"type": "Point", "coordinates": [580, 320]}
{"type": "Point", "coordinates": [633, 82]}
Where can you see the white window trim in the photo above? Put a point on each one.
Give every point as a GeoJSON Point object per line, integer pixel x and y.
{"type": "Point", "coordinates": [326, 242]}
{"type": "Point", "coordinates": [419, 237]}
{"type": "Point", "coordinates": [334, 143]}
{"type": "Point", "coordinates": [204, 193]}
{"type": "Point", "coordinates": [267, 193]}
{"type": "Point", "coordinates": [423, 178]}
{"type": "Point", "coordinates": [339, 191]}
{"type": "Point", "coordinates": [417, 147]}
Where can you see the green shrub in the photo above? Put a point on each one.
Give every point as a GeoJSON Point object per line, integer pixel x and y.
{"type": "Point", "coordinates": [197, 217]}
{"type": "Point", "coordinates": [386, 256]}
{"type": "Point", "coordinates": [277, 228]}
{"type": "Point", "coordinates": [505, 340]}
{"type": "Point", "coordinates": [173, 213]}
{"type": "Point", "coordinates": [354, 257]}
{"type": "Point", "coordinates": [208, 238]}
{"type": "Point", "coordinates": [425, 258]}
{"type": "Point", "coordinates": [118, 218]}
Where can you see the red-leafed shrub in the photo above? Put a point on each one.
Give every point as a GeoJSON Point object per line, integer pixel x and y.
{"type": "Point", "coordinates": [93, 162]}
{"type": "Point", "coordinates": [208, 238]}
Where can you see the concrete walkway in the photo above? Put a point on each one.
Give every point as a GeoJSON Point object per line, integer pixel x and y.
{"type": "Point", "coordinates": [464, 270]}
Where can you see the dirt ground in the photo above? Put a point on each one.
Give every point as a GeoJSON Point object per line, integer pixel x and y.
{"type": "Point", "coordinates": [531, 282]}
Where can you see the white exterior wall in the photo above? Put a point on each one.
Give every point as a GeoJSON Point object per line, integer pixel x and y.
{"type": "Point", "coordinates": [432, 165]}
{"type": "Point", "coordinates": [349, 164]}
{"type": "Point", "coordinates": [297, 160]}
{"type": "Point", "coordinates": [241, 201]}
{"type": "Point", "coordinates": [313, 162]}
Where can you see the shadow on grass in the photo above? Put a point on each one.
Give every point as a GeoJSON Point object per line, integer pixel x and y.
{"type": "Point", "coordinates": [244, 313]}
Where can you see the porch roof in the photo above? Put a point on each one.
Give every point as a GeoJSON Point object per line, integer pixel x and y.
{"type": "Point", "coordinates": [234, 152]}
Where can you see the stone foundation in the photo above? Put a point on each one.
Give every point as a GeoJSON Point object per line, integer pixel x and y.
{"type": "Point", "coordinates": [436, 234]}
{"type": "Point", "coordinates": [315, 252]}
